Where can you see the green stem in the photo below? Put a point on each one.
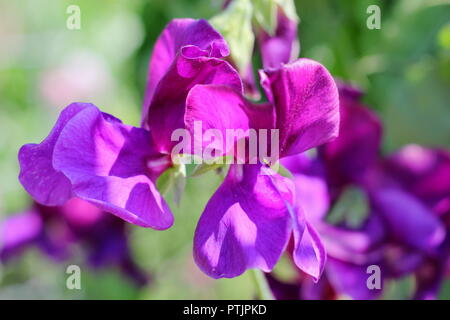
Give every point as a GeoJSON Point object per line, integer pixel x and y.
{"type": "Point", "coordinates": [262, 287]}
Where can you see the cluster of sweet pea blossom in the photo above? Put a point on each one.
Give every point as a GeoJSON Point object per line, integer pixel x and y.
{"type": "Point", "coordinates": [390, 212]}
{"type": "Point", "coordinates": [248, 222]}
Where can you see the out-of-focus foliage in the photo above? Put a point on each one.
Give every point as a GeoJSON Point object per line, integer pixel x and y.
{"type": "Point", "coordinates": [404, 68]}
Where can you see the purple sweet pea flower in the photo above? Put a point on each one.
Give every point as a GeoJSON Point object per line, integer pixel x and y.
{"type": "Point", "coordinates": [54, 230]}
{"type": "Point", "coordinates": [248, 221]}
{"type": "Point", "coordinates": [407, 192]}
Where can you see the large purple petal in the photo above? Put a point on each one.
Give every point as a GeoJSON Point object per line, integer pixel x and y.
{"type": "Point", "coordinates": [245, 224]}
{"type": "Point", "coordinates": [37, 175]}
{"type": "Point", "coordinates": [307, 104]}
{"type": "Point", "coordinates": [283, 46]}
{"type": "Point", "coordinates": [167, 108]}
{"type": "Point", "coordinates": [180, 33]}
{"type": "Point", "coordinates": [107, 164]}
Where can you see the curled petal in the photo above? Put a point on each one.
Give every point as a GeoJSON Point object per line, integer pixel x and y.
{"type": "Point", "coordinates": [106, 162]}
{"type": "Point", "coordinates": [167, 108]}
{"type": "Point", "coordinates": [245, 224]}
{"type": "Point", "coordinates": [37, 175]}
{"type": "Point", "coordinates": [307, 104]}
{"type": "Point", "coordinates": [180, 33]}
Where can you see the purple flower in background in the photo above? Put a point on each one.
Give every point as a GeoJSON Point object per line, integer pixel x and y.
{"type": "Point", "coordinates": [402, 231]}
{"type": "Point", "coordinates": [248, 221]}
{"type": "Point", "coordinates": [55, 230]}
{"type": "Point", "coordinates": [425, 173]}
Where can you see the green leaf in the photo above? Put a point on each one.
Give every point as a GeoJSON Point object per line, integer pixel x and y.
{"type": "Point", "coordinates": [235, 25]}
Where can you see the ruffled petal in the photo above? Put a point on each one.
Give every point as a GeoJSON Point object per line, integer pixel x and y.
{"type": "Point", "coordinates": [245, 224]}
{"type": "Point", "coordinates": [37, 175]}
{"type": "Point", "coordinates": [307, 104]}
{"type": "Point", "coordinates": [167, 108]}
{"type": "Point", "coordinates": [180, 33]}
{"type": "Point", "coordinates": [106, 163]}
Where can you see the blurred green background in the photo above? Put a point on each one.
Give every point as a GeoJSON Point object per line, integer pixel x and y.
{"type": "Point", "coordinates": [404, 67]}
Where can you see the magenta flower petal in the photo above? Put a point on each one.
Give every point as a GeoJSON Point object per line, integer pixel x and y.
{"type": "Point", "coordinates": [37, 175]}
{"type": "Point", "coordinates": [309, 252]}
{"type": "Point", "coordinates": [307, 104]}
{"type": "Point", "coordinates": [283, 46]}
{"type": "Point", "coordinates": [222, 108]}
{"type": "Point", "coordinates": [246, 223]}
{"type": "Point", "coordinates": [420, 227]}
{"type": "Point", "coordinates": [178, 34]}
{"type": "Point", "coordinates": [106, 162]}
